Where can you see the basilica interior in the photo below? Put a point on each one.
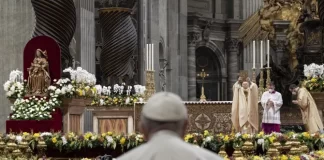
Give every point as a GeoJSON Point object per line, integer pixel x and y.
{"type": "Point", "coordinates": [108, 57]}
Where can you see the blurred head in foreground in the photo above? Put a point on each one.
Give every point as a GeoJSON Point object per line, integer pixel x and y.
{"type": "Point", "coordinates": [164, 111]}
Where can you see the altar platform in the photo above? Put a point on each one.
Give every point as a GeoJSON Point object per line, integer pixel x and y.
{"type": "Point", "coordinates": [214, 116]}
{"type": "Point", "coordinates": [80, 117]}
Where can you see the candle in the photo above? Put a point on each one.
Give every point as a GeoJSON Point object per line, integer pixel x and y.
{"type": "Point", "coordinates": [147, 58]}
{"type": "Point", "coordinates": [253, 54]}
{"type": "Point", "coordinates": [150, 63]}
{"type": "Point", "coordinates": [152, 57]}
{"type": "Point", "coordinates": [261, 53]}
{"type": "Point", "coordinates": [268, 52]}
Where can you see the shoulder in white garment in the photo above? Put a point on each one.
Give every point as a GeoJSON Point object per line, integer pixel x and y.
{"type": "Point", "coordinates": [165, 146]}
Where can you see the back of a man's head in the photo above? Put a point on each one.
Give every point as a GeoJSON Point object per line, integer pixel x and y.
{"type": "Point", "coordinates": [164, 111]}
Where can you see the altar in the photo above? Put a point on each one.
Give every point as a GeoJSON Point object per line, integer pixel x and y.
{"type": "Point", "coordinates": [215, 116]}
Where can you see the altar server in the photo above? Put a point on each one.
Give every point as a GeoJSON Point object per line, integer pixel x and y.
{"type": "Point", "coordinates": [308, 108]}
{"type": "Point", "coordinates": [163, 122]}
{"type": "Point", "coordinates": [271, 101]}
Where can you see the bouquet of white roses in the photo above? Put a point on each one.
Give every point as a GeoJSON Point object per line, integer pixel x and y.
{"type": "Point", "coordinates": [33, 108]}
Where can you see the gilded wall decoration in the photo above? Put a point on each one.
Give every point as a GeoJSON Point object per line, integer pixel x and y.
{"type": "Point", "coordinates": [260, 25]}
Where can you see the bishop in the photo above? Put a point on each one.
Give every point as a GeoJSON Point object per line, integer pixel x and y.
{"type": "Point", "coordinates": [245, 116]}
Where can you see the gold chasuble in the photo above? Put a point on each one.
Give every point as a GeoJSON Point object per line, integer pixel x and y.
{"type": "Point", "coordinates": [308, 108]}
{"type": "Point", "coordinates": [245, 116]}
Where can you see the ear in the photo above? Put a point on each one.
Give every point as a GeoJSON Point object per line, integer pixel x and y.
{"type": "Point", "coordinates": [143, 131]}
{"type": "Point", "coordinates": [184, 129]}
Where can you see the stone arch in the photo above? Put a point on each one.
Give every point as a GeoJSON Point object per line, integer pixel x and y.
{"type": "Point", "coordinates": [210, 58]}
{"type": "Point", "coordinates": [218, 53]}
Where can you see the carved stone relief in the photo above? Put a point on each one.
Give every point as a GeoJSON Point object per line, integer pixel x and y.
{"type": "Point", "coordinates": [193, 38]}
{"type": "Point", "coordinates": [232, 44]}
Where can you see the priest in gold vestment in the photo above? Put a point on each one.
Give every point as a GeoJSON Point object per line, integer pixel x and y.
{"type": "Point", "coordinates": [308, 108]}
{"type": "Point", "coordinates": [245, 116]}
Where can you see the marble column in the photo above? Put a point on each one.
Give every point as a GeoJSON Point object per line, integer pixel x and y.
{"type": "Point", "coordinates": [85, 46]}
{"type": "Point", "coordinates": [85, 35]}
{"type": "Point", "coordinates": [50, 22]}
{"type": "Point", "coordinates": [192, 74]}
{"type": "Point", "coordinates": [17, 21]}
{"type": "Point", "coordinates": [220, 9]}
{"type": "Point", "coordinates": [232, 64]}
{"type": "Point", "coordinates": [280, 43]}
{"type": "Point", "coordinates": [237, 9]}
{"type": "Point", "coordinates": [153, 35]}
{"type": "Point", "coordinates": [224, 89]}
{"type": "Point", "coordinates": [142, 39]}
{"type": "Point", "coordinates": [183, 49]}
{"type": "Point", "coordinates": [279, 47]}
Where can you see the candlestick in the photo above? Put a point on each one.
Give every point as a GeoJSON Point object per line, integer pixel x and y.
{"type": "Point", "coordinates": [253, 54]}
{"type": "Point", "coordinates": [152, 57]}
{"type": "Point", "coordinates": [150, 85]}
{"type": "Point", "coordinates": [147, 58]}
{"type": "Point", "coordinates": [261, 83]}
{"type": "Point", "coordinates": [203, 75]}
{"type": "Point", "coordinates": [261, 53]}
{"type": "Point", "coordinates": [253, 75]}
{"type": "Point", "coordinates": [268, 52]}
{"type": "Point", "coordinates": [268, 76]}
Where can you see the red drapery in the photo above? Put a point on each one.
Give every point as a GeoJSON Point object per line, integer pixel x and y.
{"type": "Point", "coordinates": [54, 60]}
{"type": "Point", "coordinates": [53, 53]}
{"type": "Point", "coordinates": [53, 125]}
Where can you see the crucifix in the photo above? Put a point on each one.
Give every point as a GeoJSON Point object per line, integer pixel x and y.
{"type": "Point", "coordinates": [203, 75]}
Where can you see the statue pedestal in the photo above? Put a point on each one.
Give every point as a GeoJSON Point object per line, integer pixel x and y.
{"type": "Point", "coordinates": [101, 119]}
{"type": "Point", "coordinates": [53, 125]}
{"type": "Point", "coordinates": [73, 111]}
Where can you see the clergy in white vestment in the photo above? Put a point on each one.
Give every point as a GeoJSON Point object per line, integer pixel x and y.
{"type": "Point", "coordinates": [271, 102]}
{"type": "Point", "coordinates": [163, 122]}
{"type": "Point", "coordinates": [245, 115]}
{"type": "Point", "coordinates": [308, 108]}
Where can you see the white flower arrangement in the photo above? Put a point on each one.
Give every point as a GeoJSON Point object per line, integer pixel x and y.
{"type": "Point", "coordinates": [315, 77]}
{"type": "Point", "coordinates": [33, 108]}
{"type": "Point", "coordinates": [118, 95]}
{"type": "Point", "coordinates": [81, 76]}
{"type": "Point", "coordinates": [81, 83]}
{"type": "Point", "coordinates": [14, 87]}
{"type": "Point", "coordinates": [314, 71]}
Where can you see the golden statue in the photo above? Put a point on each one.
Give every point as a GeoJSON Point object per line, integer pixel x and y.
{"type": "Point", "coordinates": [38, 78]}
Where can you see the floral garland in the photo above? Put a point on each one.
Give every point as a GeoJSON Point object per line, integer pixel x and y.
{"type": "Point", "coordinates": [314, 77]}
{"type": "Point", "coordinates": [72, 142]}
{"type": "Point", "coordinates": [80, 84]}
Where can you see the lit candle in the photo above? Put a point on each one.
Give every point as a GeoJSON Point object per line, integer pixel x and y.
{"type": "Point", "coordinates": [268, 52]}
{"type": "Point", "coordinates": [261, 53]}
{"type": "Point", "coordinates": [152, 57]}
{"type": "Point", "coordinates": [147, 57]}
{"type": "Point", "coordinates": [253, 54]}
{"type": "Point", "coordinates": [150, 63]}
